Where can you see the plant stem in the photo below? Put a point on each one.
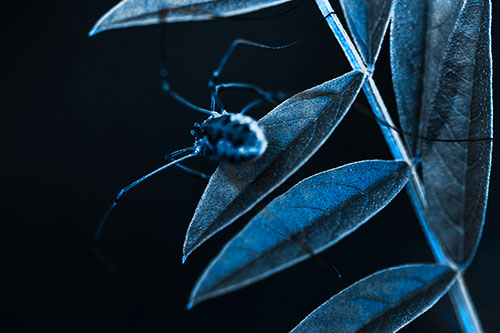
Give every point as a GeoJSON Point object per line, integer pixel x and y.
{"type": "Point", "coordinates": [464, 307]}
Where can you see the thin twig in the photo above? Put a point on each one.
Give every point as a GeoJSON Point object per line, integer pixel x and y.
{"type": "Point", "coordinates": [464, 307]}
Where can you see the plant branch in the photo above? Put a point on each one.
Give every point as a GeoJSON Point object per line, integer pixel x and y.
{"type": "Point", "coordinates": [459, 294]}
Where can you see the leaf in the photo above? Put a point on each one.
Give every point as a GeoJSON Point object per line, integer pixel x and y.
{"type": "Point", "coordinates": [383, 302]}
{"type": "Point", "coordinates": [456, 175]}
{"type": "Point", "coordinates": [129, 13]}
{"type": "Point", "coordinates": [419, 35]}
{"type": "Point", "coordinates": [313, 215]}
{"type": "Point", "coordinates": [368, 21]}
{"type": "Point", "coordinates": [295, 129]}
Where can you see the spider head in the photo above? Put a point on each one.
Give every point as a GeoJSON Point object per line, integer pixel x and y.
{"type": "Point", "coordinates": [196, 132]}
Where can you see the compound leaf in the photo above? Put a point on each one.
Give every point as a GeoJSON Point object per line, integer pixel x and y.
{"type": "Point", "coordinates": [419, 35]}
{"type": "Point", "coordinates": [368, 21]}
{"type": "Point", "coordinates": [313, 215]}
{"type": "Point", "coordinates": [129, 13]}
{"type": "Point", "coordinates": [456, 174]}
{"type": "Point", "coordinates": [383, 302]}
{"type": "Point", "coordinates": [295, 129]}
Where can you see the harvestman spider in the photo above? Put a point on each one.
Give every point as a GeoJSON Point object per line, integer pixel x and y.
{"type": "Point", "coordinates": [226, 137]}
{"type": "Point", "coordinates": [232, 138]}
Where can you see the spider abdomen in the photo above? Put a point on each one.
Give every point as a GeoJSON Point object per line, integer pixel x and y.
{"type": "Point", "coordinates": [230, 138]}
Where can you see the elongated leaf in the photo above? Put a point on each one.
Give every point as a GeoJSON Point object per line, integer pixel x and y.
{"type": "Point", "coordinates": [295, 129]}
{"type": "Point", "coordinates": [313, 215]}
{"type": "Point", "coordinates": [383, 302]}
{"type": "Point", "coordinates": [419, 35]}
{"type": "Point", "coordinates": [368, 21]}
{"type": "Point", "coordinates": [456, 175]}
{"type": "Point", "coordinates": [129, 13]}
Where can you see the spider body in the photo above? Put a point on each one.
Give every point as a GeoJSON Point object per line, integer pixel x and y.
{"type": "Point", "coordinates": [230, 138]}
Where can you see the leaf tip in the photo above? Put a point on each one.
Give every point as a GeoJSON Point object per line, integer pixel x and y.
{"type": "Point", "coordinates": [94, 31]}
{"type": "Point", "coordinates": [190, 246]}
{"type": "Point", "coordinates": [102, 23]}
{"type": "Point", "coordinates": [190, 305]}
{"type": "Point", "coordinates": [97, 28]}
{"type": "Point", "coordinates": [186, 251]}
{"type": "Point", "coordinates": [195, 297]}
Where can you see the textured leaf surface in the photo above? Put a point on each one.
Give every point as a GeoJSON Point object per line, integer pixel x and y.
{"type": "Point", "coordinates": [456, 175]}
{"type": "Point", "coordinates": [295, 129]}
{"type": "Point", "coordinates": [313, 215]}
{"type": "Point", "coordinates": [383, 302]}
{"type": "Point", "coordinates": [368, 21]}
{"type": "Point", "coordinates": [129, 13]}
{"type": "Point", "coordinates": [419, 35]}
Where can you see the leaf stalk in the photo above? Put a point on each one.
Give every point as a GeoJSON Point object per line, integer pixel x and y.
{"type": "Point", "coordinates": [459, 294]}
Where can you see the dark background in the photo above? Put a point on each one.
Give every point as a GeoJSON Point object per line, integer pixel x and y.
{"type": "Point", "coordinates": [84, 117]}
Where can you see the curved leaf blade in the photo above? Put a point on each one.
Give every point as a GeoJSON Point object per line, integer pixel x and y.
{"type": "Point", "coordinates": [295, 129]}
{"type": "Point", "coordinates": [419, 35]}
{"type": "Point", "coordinates": [313, 215]}
{"type": "Point", "coordinates": [383, 302]}
{"type": "Point", "coordinates": [456, 175]}
{"type": "Point", "coordinates": [129, 13]}
{"type": "Point", "coordinates": [368, 21]}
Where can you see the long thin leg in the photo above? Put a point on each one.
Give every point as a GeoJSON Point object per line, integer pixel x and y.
{"type": "Point", "coordinates": [237, 42]}
{"type": "Point", "coordinates": [172, 156]}
{"type": "Point", "coordinates": [124, 284]}
{"type": "Point", "coordinates": [251, 105]}
{"type": "Point", "coordinates": [272, 98]}
{"type": "Point", "coordinates": [241, 41]}
{"type": "Point", "coordinates": [192, 172]}
{"type": "Point", "coordinates": [164, 77]}
{"type": "Point", "coordinates": [184, 153]}
{"type": "Point", "coordinates": [365, 111]}
{"type": "Point", "coordinates": [216, 73]}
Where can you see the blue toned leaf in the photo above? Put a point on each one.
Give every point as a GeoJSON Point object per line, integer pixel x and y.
{"type": "Point", "coordinates": [295, 129]}
{"type": "Point", "coordinates": [383, 302]}
{"type": "Point", "coordinates": [368, 21]}
{"type": "Point", "coordinates": [419, 35]}
{"type": "Point", "coordinates": [129, 13]}
{"type": "Point", "coordinates": [456, 175]}
{"type": "Point", "coordinates": [313, 215]}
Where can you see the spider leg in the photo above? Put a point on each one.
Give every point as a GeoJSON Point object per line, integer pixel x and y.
{"type": "Point", "coordinates": [193, 172]}
{"type": "Point", "coordinates": [239, 42]}
{"type": "Point", "coordinates": [165, 85]}
{"type": "Point", "coordinates": [198, 174]}
{"type": "Point", "coordinates": [124, 284]}
{"type": "Point", "coordinates": [272, 98]}
{"type": "Point", "coordinates": [251, 105]}
{"type": "Point", "coordinates": [190, 171]}
{"type": "Point", "coordinates": [184, 155]}
{"type": "Point", "coordinates": [216, 74]}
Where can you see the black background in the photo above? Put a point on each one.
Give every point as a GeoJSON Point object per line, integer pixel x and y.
{"type": "Point", "coordinates": [85, 117]}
